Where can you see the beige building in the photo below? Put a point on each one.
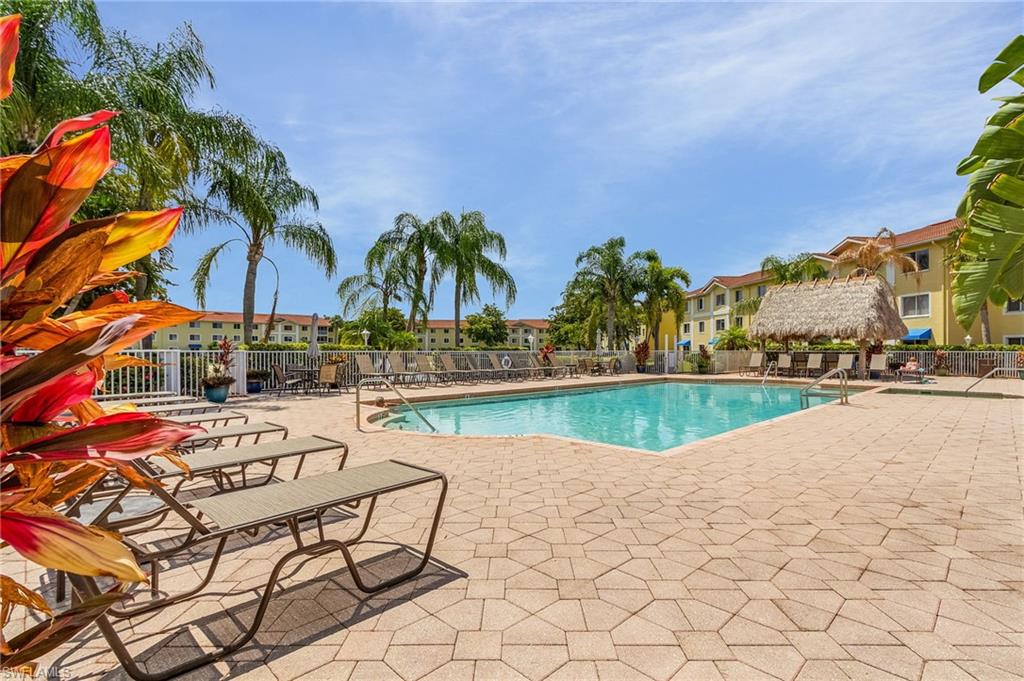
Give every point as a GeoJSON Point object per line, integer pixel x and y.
{"type": "Point", "coordinates": [440, 333]}
{"type": "Point", "coordinates": [216, 326]}
{"type": "Point", "coordinates": [924, 298]}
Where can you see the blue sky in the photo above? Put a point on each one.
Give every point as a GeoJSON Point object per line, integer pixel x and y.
{"type": "Point", "coordinates": [715, 133]}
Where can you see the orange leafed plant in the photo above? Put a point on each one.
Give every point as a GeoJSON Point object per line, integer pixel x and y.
{"type": "Point", "coordinates": [55, 441]}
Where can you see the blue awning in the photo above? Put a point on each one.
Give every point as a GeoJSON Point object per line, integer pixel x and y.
{"type": "Point", "coordinates": [713, 341]}
{"type": "Point", "coordinates": [918, 335]}
{"type": "Point", "coordinates": [683, 344]}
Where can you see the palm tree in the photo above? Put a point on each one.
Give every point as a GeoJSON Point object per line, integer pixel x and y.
{"type": "Point", "coordinates": [733, 338]}
{"type": "Point", "coordinates": [464, 252]}
{"type": "Point", "coordinates": [413, 243]}
{"type": "Point", "coordinates": [261, 199]}
{"type": "Point", "coordinates": [609, 277]}
{"type": "Point", "coordinates": [377, 287]}
{"type": "Point", "coordinates": [875, 253]}
{"type": "Point", "coordinates": [660, 286]}
{"type": "Point", "coordinates": [780, 270]}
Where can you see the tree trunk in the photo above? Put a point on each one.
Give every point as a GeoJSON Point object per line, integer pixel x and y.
{"type": "Point", "coordinates": [656, 331]}
{"type": "Point", "coordinates": [609, 324]}
{"type": "Point", "coordinates": [270, 324]}
{"type": "Point", "coordinates": [458, 312]}
{"type": "Point", "coordinates": [249, 294]}
{"type": "Point", "coordinates": [862, 361]}
{"type": "Point", "coordinates": [418, 296]}
{"type": "Point", "coordinates": [986, 330]}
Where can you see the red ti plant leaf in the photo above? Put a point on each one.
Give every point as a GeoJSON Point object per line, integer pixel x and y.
{"type": "Point", "coordinates": [124, 436]}
{"type": "Point", "coordinates": [8, 51]}
{"type": "Point", "coordinates": [153, 314]}
{"type": "Point", "coordinates": [74, 125]}
{"type": "Point", "coordinates": [46, 636]}
{"type": "Point", "coordinates": [25, 379]}
{"type": "Point", "coordinates": [52, 540]}
{"type": "Point", "coordinates": [50, 401]}
{"type": "Point", "coordinates": [112, 298]}
{"type": "Point", "coordinates": [41, 196]}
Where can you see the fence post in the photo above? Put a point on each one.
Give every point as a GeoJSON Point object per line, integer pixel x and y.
{"type": "Point", "coordinates": [172, 371]}
{"type": "Point", "coordinates": [238, 370]}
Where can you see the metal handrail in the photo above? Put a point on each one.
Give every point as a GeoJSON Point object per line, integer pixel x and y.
{"type": "Point", "coordinates": [772, 365]}
{"type": "Point", "coordinates": [844, 387]}
{"type": "Point", "coordinates": [991, 373]}
{"type": "Point", "coordinates": [381, 379]}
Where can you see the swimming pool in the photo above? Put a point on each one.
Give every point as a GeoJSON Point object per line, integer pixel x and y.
{"type": "Point", "coordinates": [651, 416]}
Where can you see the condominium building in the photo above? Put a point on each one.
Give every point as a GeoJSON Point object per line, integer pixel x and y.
{"type": "Point", "coordinates": [924, 298]}
{"type": "Point", "coordinates": [440, 333]}
{"type": "Point", "coordinates": [216, 326]}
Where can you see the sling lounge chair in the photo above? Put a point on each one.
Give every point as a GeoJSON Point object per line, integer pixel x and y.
{"type": "Point", "coordinates": [785, 364]}
{"type": "Point", "coordinates": [845, 363]}
{"type": "Point", "coordinates": [216, 519]}
{"type": "Point", "coordinates": [128, 397]}
{"type": "Point", "coordinates": [217, 436]}
{"type": "Point", "coordinates": [813, 364]}
{"type": "Point", "coordinates": [753, 367]}
{"type": "Point", "coordinates": [181, 409]}
{"type": "Point", "coordinates": [488, 372]}
{"type": "Point", "coordinates": [329, 378]}
{"type": "Point", "coordinates": [511, 371]}
{"type": "Point", "coordinates": [210, 420]}
{"type": "Point", "coordinates": [880, 364]}
{"type": "Point", "coordinates": [404, 375]}
{"type": "Point", "coordinates": [152, 401]}
{"type": "Point", "coordinates": [448, 362]}
{"type": "Point", "coordinates": [548, 370]}
{"type": "Point", "coordinates": [425, 366]}
{"type": "Point", "coordinates": [367, 370]}
{"type": "Point", "coordinates": [284, 382]}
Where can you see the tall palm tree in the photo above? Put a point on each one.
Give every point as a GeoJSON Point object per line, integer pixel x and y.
{"type": "Point", "coordinates": [260, 198]}
{"type": "Point", "coordinates": [784, 270]}
{"type": "Point", "coordinates": [381, 284]}
{"type": "Point", "coordinates": [609, 277]}
{"type": "Point", "coordinates": [464, 252]}
{"type": "Point", "coordinates": [875, 253]}
{"type": "Point", "coordinates": [663, 289]}
{"type": "Point", "coordinates": [414, 244]}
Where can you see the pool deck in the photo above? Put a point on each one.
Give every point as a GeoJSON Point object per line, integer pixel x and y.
{"type": "Point", "coordinates": [883, 539]}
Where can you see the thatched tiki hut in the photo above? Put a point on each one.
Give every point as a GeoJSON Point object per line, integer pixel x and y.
{"type": "Point", "coordinates": [861, 310]}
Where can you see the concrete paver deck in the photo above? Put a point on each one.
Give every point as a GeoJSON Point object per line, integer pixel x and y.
{"type": "Point", "coordinates": [881, 540]}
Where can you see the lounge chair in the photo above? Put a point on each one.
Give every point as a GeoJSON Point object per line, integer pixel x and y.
{"type": "Point", "coordinates": [454, 373]}
{"type": "Point", "coordinates": [879, 363]}
{"type": "Point", "coordinates": [913, 374]}
{"type": "Point", "coordinates": [549, 370]}
{"type": "Point", "coordinates": [127, 397]}
{"type": "Point", "coordinates": [511, 371]}
{"type": "Point", "coordinates": [495, 374]}
{"type": "Point", "coordinates": [216, 436]}
{"type": "Point", "coordinates": [151, 401]}
{"type": "Point", "coordinates": [572, 367]}
{"type": "Point", "coordinates": [753, 366]}
{"type": "Point", "coordinates": [209, 419]}
{"type": "Point", "coordinates": [845, 363]}
{"type": "Point", "coordinates": [813, 364]}
{"type": "Point", "coordinates": [367, 370]}
{"type": "Point", "coordinates": [397, 362]}
{"type": "Point", "coordinates": [184, 408]}
{"type": "Point", "coordinates": [586, 366]}
{"type": "Point", "coordinates": [283, 380]}
{"type": "Point", "coordinates": [216, 519]}
{"type": "Point", "coordinates": [785, 364]}
{"type": "Point", "coordinates": [425, 366]}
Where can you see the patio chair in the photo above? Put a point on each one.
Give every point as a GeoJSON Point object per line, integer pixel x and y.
{"type": "Point", "coordinates": [425, 366]}
{"type": "Point", "coordinates": [407, 377]}
{"type": "Point", "coordinates": [572, 368]}
{"type": "Point", "coordinates": [879, 363]}
{"type": "Point", "coordinates": [209, 419]}
{"type": "Point", "coordinates": [103, 397]}
{"type": "Point", "coordinates": [546, 370]}
{"type": "Point", "coordinates": [367, 370]}
{"type": "Point", "coordinates": [784, 364]}
{"type": "Point", "coordinates": [328, 378]}
{"type": "Point", "coordinates": [845, 362]}
{"type": "Point", "coordinates": [215, 437]}
{"type": "Point", "coordinates": [509, 372]}
{"type": "Point", "coordinates": [454, 373]}
{"type": "Point", "coordinates": [182, 409]}
{"type": "Point", "coordinates": [753, 366]}
{"type": "Point", "coordinates": [283, 381]}
{"type": "Point", "coordinates": [150, 401]}
{"type": "Point", "coordinates": [495, 375]}
{"type": "Point", "coordinates": [586, 366]}
{"type": "Point", "coordinates": [218, 518]}
{"type": "Point", "coordinates": [813, 364]}
{"type": "Point", "coordinates": [614, 366]}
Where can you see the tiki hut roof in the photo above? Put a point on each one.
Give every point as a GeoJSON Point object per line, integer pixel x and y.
{"type": "Point", "coordinates": [849, 309]}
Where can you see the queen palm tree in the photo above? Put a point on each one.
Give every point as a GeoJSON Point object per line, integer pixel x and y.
{"type": "Point", "coordinates": [262, 200]}
{"type": "Point", "coordinates": [608, 277]}
{"type": "Point", "coordinates": [876, 252]}
{"type": "Point", "coordinates": [414, 244]}
{"type": "Point", "coordinates": [381, 284]}
{"type": "Point", "coordinates": [663, 288]}
{"type": "Point", "coordinates": [783, 270]}
{"type": "Point", "coordinates": [464, 252]}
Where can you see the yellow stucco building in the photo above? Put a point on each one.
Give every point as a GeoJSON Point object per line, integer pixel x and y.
{"type": "Point", "coordinates": [924, 298]}
{"type": "Point", "coordinates": [216, 326]}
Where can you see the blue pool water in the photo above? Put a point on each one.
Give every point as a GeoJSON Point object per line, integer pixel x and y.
{"type": "Point", "coordinates": [652, 416]}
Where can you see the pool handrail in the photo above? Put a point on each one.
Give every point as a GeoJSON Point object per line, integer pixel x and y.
{"type": "Point", "coordinates": [388, 383]}
{"type": "Point", "coordinates": [844, 388]}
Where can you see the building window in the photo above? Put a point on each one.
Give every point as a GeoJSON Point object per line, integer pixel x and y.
{"type": "Point", "coordinates": [289, 327]}
{"type": "Point", "coordinates": [218, 325]}
{"type": "Point", "coordinates": [218, 337]}
{"type": "Point", "coordinates": [761, 290]}
{"type": "Point", "coordinates": [719, 325]}
{"type": "Point", "coordinates": [700, 327]}
{"type": "Point", "coordinates": [916, 305]}
{"type": "Point", "coordinates": [689, 306]}
{"type": "Point", "coordinates": [289, 339]}
{"type": "Point", "coordinates": [305, 327]}
{"type": "Point", "coordinates": [193, 325]}
{"type": "Point", "coordinates": [700, 303]}
{"type": "Point", "coordinates": [172, 336]}
{"type": "Point", "coordinates": [738, 296]}
{"type": "Point", "coordinates": [236, 326]}
{"type": "Point", "coordinates": [738, 322]}
{"type": "Point", "coordinates": [921, 258]}
{"type": "Point", "coordinates": [193, 336]}
{"type": "Point", "coordinates": [686, 327]}
{"type": "Point", "coordinates": [304, 339]}
{"type": "Point", "coordinates": [237, 337]}
{"type": "Point", "coordinates": [1013, 340]}
{"type": "Point", "coordinates": [1015, 306]}
{"type": "Point", "coordinates": [719, 299]}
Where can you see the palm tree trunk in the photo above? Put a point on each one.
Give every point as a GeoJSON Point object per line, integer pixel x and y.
{"type": "Point", "coordinates": [986, 330]}
{"type": "Point", "coordinates": [656, 329]}
{"type": "Point", "coordinates": [270, 324]}
{"type": "Point", "coordinates": [417, 294]}
{"type": "Point", "coordinates": [249, 295]}
{"type": "Point", "coordinates": [458, 312]}
{"type": "Point", "coordinates": [609, 324]}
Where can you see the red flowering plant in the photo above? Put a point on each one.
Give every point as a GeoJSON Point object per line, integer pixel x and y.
{"type": "Point", "coordinates": [547, 354]}
{"type": "Point", "coordinates": [218, 373]}
{"type": "Point", "coordinates": [55, 441]}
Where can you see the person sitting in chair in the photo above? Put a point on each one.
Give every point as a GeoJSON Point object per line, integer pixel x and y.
{"type": "Point", "coordinates": [911, 368]}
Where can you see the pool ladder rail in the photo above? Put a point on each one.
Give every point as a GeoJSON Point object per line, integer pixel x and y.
{"type": "Point", "coordinates": [388, 383]}
{"type": "Point", "coordinates": [772, 368]}
{"type": "Point", "coordinates": [844, 387]}
{"type": "Point", "coordinates": [990, 374]}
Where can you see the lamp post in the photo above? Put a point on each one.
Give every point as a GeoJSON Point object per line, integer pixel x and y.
{"type": "Point", "coordinates": [366, 337]}
{"type": "Point", "coordinates": [968, 339]}
{"type": "Point", "coordinates": [529, 340]}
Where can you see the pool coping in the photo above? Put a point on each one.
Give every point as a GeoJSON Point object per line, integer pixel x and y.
{"type": "Point", "coordinates": [376, 413]}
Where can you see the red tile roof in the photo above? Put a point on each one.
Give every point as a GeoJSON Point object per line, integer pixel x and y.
{"type": "Point", "coordinates": [932, 232]}
{"type": "Point", "coordinates": [236, 318]}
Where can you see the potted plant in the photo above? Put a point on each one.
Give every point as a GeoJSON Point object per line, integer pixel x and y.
{"type": "Point", "coordinates": [941, 363]}
{"type": "Point", "coordinates": [641, 352]}
{"type": "Point", "coordinates": [218, 374]}
{"type": "Point", "coordinates": [254, 380]}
